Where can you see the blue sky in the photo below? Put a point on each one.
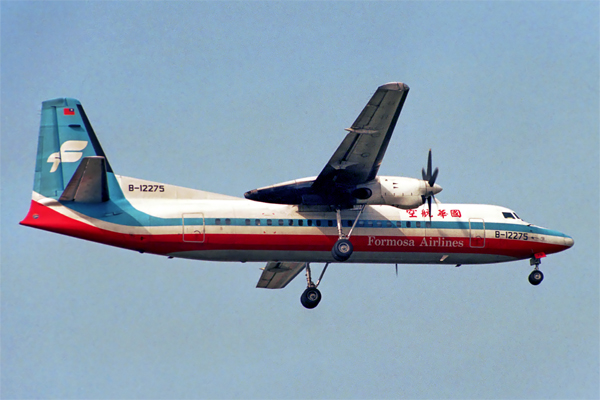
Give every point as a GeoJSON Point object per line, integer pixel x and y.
{"type": "Point", "coordinates": [230, 96]}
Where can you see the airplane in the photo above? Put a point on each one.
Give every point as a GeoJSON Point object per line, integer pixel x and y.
{"type": "Point", "coordinates": [346, 214]}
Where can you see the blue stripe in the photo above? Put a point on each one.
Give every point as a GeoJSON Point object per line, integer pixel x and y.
{"type": "Point", "coordinates": [123, 213]}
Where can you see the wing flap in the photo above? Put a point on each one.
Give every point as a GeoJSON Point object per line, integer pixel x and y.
{"type": "Point", "coordinates": [276, 275]}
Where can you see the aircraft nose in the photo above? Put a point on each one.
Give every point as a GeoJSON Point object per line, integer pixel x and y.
{"type": "Point", "coordinates": [569, 241]}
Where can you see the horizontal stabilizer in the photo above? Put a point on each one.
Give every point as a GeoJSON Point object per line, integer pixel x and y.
{"type": "Point", "coordinates": [89, 183]}
{"type": "Point", "coordinates": [277, 275]}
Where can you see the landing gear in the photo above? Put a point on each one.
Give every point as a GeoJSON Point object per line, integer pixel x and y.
{"type": "Point", "coordinates": [536, 277]}
{"type": "Point", "coordinates": [312, 296]}
{"type": "Point", "coordinates": [342, 249]}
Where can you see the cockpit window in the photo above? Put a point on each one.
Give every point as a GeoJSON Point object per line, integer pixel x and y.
{"type": "Point", "coordinates": [508, 215]}
{"type": "Point", "coordinates": [516, 216]}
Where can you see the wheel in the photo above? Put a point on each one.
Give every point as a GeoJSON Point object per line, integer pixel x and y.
{"type": "Point", "coordinates": [342, 250]}
{"type": "Point", "coordinates": [310, 298]}
{"type": "Point", "coordinates": [536, 277]}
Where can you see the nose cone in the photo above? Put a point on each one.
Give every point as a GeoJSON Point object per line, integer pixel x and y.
{"type": "Point", "coordinates": [436, 188]}
{"type": "Point", "coordinates": [569, 241]}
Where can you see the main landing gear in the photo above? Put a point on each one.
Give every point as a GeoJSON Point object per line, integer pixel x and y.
{"type": "Point", "coordinates": [342, 249]}
{"type": "Point", "coordinates": [536, 277]}
{"type": "Point", "coordinates": [312, 296]}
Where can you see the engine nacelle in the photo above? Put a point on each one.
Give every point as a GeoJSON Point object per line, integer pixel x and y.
{"type": "Point", "coordinates": [401, 192]}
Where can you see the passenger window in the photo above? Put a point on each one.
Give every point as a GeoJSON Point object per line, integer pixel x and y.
{"type": "Point", "coordinates": [269, 222]}
{"type": "Point", "coordinates": [427, 224]}
{"type": "Point", "coordinates": [379, 223]}
{"type": "Point", "coordinates": [361, 223]}
{"type": "Point", "coordinates": [257, 222]}
{"type": "Point", "coordinates": [318, 222]}
{"type": "Point", "coordinates": [388, 224]}
{"type": "Point", "coordinates": [330, 223]}
{"type": "Point", "coordinates": [280, 222]}
{"type": "Point", "coordinates": [227, 221]}
{"type": "Point", "coordinates": [309, 222]}
{"type": "Point", "coordinates": [369, 223]}
{"type": "Point", "coordinates": [218, 221]}
{"type": "Point", "coordinates": [291, 222]}
{"type": "Point", "coordinates": [300, 222]}
{"type": "Point", "coordinates": [247, 222]}
{"type": "Point", "coordinates": [418, 224]}
{"type": "Point", "coordinates": [408, 224]}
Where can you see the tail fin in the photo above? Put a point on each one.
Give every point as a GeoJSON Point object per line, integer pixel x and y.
{"type": "Point", "coordinates": [66, 137]}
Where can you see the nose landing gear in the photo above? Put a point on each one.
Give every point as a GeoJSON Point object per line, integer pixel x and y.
{"type": "Point", "coordinates": [536, 277]}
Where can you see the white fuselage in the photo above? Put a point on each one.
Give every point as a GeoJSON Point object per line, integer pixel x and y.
{"type": "Point", "coordinates": [180, 222]}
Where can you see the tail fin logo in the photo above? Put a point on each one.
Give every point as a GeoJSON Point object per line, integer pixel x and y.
{"type": "Point", "coordinates": [70, 151]}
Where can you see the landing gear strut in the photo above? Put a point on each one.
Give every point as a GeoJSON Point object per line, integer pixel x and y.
{"type": "Point", "coordinates": [312, 296]}
{"type": "Point", "coordinates": [536, 277]}
{"type": "Point", "coordinates": [342, 249]}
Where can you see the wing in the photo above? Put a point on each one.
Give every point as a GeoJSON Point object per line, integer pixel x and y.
{"type": "Point", "coordinates": [355, 161]}
{"type": "Point", "coordinates": [358, 158]}
{"type": "Point", "coordinates": [277, 275]}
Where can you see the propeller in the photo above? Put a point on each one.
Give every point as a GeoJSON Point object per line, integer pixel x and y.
{"type": "Point", "coordinates": [428, 176]}
{"type": "Point", "coordinates": [430, 179]}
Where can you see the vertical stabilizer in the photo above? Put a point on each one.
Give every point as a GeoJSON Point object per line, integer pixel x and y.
{"type": "Point", "coordinates": [66, 137]}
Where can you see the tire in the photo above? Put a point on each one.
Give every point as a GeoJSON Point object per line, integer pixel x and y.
{"type": "Point", "coordinates": [342, 250]}
{"type": "Point", "coordinates": [536, 277]}
{"type": "Point", "coordinates": [310, 298]}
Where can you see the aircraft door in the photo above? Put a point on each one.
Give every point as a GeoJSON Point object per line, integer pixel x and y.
{"type": "Point", "coordinates": [476, 232]}
{"type": "Point", "coordinates": [193, 227]}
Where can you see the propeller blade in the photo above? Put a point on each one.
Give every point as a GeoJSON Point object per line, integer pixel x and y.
{"type": "Point", "coordinates": [429, 165]}
{"type": "Point", "coordinates": [428, 175]}
{"type": "Point", "coordinates": [429, 205]}
{"type": "Point", "coordinates": [430, 178]}
{"type": "Point", "coordinates": [433, 177]}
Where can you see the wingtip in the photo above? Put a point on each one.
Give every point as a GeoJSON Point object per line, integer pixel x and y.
{"type": "Point", "coordinates": [395, 86]}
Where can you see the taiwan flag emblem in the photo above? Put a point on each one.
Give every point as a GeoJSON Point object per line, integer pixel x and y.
{"type": "Point", "coordinates": [69, 111]}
